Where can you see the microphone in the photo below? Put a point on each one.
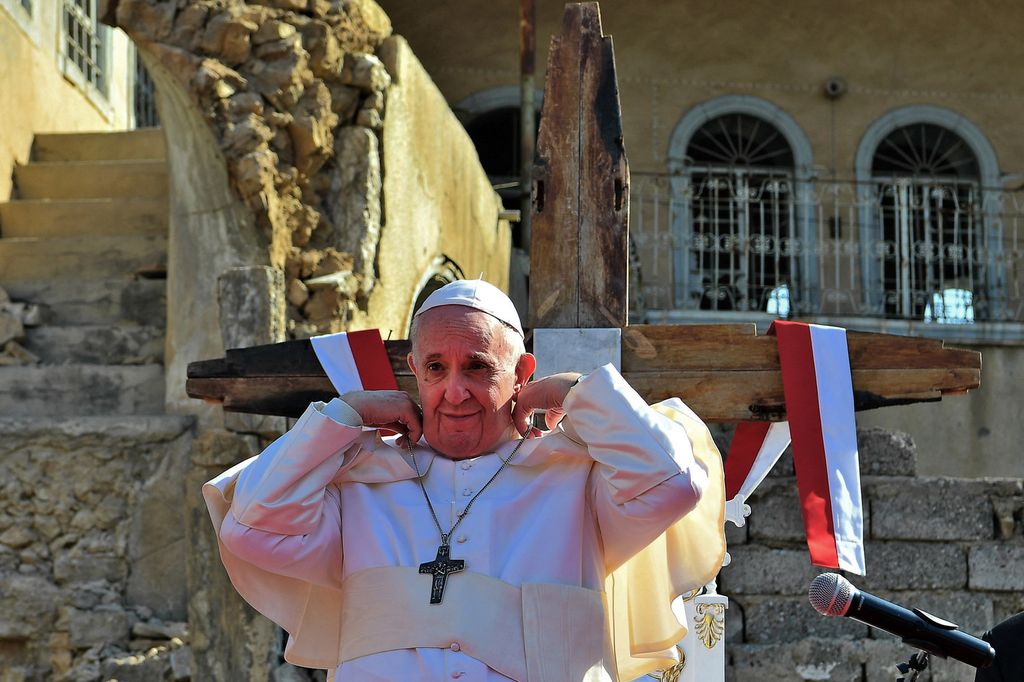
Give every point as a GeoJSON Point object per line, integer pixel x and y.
{"type": "Point", "coordinates": [832, 595]}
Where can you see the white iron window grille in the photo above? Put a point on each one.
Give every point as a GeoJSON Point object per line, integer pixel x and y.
{"type": "Point", "coordinates": [739, 216]}
{"type": "Point", "coordinates": [83, 41]}
{"type": "Point", "coordinates": [940, 247]}
{"type": "Point", "coordinates": [932, 252]}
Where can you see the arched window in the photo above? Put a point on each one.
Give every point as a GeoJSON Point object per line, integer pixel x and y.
{"type": "Point", "coordinates": [495, 135]}
{"type": "Point", "coordinates": [491, 118]}
{"type": "Point", "coordinates": [927, 185]}
{"type": "Point", "coordinates": [739, 224]}
{"type": "Point", "coordinates": [930, 230]}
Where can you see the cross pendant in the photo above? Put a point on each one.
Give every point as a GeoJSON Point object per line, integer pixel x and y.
{"type": "Point", "coordinates": [440, 568]}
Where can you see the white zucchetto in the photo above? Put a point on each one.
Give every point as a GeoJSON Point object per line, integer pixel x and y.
{"type": "Point", "coordinates": [476, 294]}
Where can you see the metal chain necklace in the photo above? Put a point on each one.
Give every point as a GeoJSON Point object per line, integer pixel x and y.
{"type": "Point", "coordinates": [444, 565]}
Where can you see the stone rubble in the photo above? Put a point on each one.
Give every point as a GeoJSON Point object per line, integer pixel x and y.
{"type": "Point", "coordinates": [14, 317]}
{"type": "Point", "coordinates": [69, 542]}
{"type": "Point", "coordinates": [296, 97]}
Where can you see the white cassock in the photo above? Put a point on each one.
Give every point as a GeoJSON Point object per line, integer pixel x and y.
{"type": "Point", "coordinates": [573, 555]}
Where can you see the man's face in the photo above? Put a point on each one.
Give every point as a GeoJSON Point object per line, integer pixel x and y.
{"type": "Point", "coordinates": [467, 375]}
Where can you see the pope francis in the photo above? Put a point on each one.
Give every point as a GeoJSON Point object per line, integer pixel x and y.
{"type": "Point", "coordinates": [473, 545]}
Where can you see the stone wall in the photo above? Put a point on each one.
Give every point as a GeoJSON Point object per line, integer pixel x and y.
{"type": "Point", "coordinates": [952, 547]}
{"type": "Point", "coordinates": [91, 540]}
{"type": "Point", "coordinates": [90, 546]}
{"type": "Point", "coordinates": [439, 208]}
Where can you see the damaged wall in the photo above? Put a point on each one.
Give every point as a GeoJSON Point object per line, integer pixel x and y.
{"type": "Point", "coordinates": [293, 145]}
{"type": "Point", "coordinates": [86, 511]}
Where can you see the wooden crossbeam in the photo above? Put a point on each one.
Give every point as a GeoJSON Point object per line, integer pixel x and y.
{"type": "Point", "coordinates": [726, 373]}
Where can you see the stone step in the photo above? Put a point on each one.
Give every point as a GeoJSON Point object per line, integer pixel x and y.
{"type": "Point", "coordinates": [70, 217]}
{"type": "Point", "coordinates": [66, 301]}
{"type": "Point", "coordinates": [144, 143]}
{"type": "Point", "coordinates": [81, 390]}
{"type": "Point", "coordinates": [97, 344]}
{"type": "Point", "coordinates": [28, 258]}
{"type": "Point", "coordinates": [91, 179]}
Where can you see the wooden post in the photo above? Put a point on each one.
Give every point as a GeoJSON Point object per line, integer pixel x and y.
{"type": "Point", "coordinates": [578, 273]}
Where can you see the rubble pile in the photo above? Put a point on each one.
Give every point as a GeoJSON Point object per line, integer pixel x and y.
{"type": "Point", "coordinates": [71, 535]}
{"type": "Point", "coordinates": [14, 317]}
{"type": "Point", "coordinates": [296, 97]}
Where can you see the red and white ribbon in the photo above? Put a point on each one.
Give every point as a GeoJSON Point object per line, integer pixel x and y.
{"type": "Point", "coordinates": [355, 361]}
{"type": "Point", "coordinates": [818, 389]}
{"type": "Point", "coordinates": [754, 450]}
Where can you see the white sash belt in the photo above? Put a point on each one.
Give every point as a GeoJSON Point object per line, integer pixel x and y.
{"type": "Point", "coordinates": [537, 632]}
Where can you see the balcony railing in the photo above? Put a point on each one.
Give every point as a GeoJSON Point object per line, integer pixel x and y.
{"type": "Point", "coordinates": [931, 250]}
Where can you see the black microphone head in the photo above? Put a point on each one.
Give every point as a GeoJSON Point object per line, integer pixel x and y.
{"type": "Point", "coordinates": [831, 594]}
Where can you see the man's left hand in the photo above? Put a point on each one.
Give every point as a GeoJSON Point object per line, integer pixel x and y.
{"type": "Point", "coordinates": [544, 394]}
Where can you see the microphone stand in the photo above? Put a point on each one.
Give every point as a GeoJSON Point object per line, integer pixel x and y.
{"type": "Point", "coordinates": [914, 666]}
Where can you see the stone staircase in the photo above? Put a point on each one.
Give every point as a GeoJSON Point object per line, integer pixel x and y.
{"type": "Point", "coordinates": [91, 499]}
{"type": "Point", "coordinates": [85, 240]}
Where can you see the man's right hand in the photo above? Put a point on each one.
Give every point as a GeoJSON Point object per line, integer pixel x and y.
{"type": "Point", "coordinates": [394, 410]}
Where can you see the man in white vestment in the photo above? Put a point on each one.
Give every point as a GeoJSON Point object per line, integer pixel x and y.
{"type": "Point", "coordinates": [473, 545]}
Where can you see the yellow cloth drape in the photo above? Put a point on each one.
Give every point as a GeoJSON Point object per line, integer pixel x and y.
{"type": "Point", "coordinates": [685, 557]}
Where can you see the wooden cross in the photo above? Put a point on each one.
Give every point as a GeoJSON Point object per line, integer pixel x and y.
{"type": "Point", "coordinates": [579, 266]}
{"type": "Point", "coordinates": [440, 568]}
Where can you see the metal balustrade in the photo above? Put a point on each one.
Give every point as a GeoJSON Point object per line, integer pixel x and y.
{"type": "Point", "coordinates": [936, 250]}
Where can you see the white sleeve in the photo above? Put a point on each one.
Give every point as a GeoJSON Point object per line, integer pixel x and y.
{"type": "Point", "coordinates": [283, 488]}
{"type": "Point", "coordinates": [645, 477]}
{"type": "Point", "coordinates": [315, 557]}
{"type": "Point", "coordinates": [285, 510]}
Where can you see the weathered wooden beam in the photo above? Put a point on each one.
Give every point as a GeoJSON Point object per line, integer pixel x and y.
{"type": "Point", "coordinates": [580, 215]}
{"type": "Point", "coordinates": [725, 373]}
{"type": "Point", "coordinates": [654, 348]}
{"type": "Point", "coordinates": [755, 395]}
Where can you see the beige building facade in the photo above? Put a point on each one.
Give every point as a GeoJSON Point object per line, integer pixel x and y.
{"type": "Point", "coordinates": [854, 164]}
{"type": "Point", "coordinates": [60, 71]}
